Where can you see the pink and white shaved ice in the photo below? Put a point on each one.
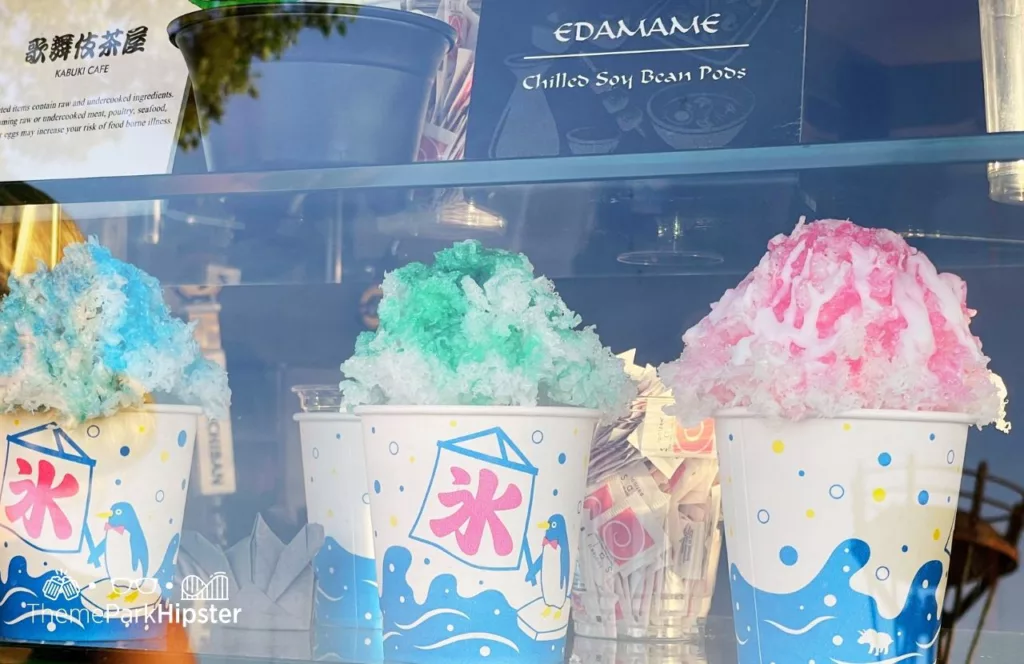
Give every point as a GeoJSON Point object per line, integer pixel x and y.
{"type": "Point", "coordinates": [837, 317]}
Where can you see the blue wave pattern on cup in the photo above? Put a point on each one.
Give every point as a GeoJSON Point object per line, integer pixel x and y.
{"type": "Point", "coordinates": [448, 627]}
{"type": "Point", "coordinates": [354, 646]}
{"type": "Point", "coordinates": [346, 590]}
{"type": "Point", "coordinates": [828, 621]}
{"type": "Point", "coordinates": [48, 608]}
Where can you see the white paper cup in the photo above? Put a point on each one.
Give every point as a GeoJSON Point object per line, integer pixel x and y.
{"type": "Point", "coordinates": [839, 533]}
{"type": "Point", "coordinates": [337, 499]}
{"type": "Point", "coordinates": [476, 516]}
{"type": "Point", "coordinates": [91, 521]}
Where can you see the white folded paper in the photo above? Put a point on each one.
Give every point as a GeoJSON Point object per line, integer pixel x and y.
{"type": "Point", "coordinates": [270, 582]}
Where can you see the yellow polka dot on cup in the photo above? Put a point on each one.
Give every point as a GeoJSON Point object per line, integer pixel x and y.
{"type": "Point", "coordinates": [778, 446]}
{"type": "Point", "coordinates": [810, 514]}
{"type": "Point", "coordinates": [164, 456]}
{"type": "Point", "coordinates": [393, 521]}
{"type": "Point", "coordinates": [936, 535]}
{"type": "Point", "coordinates": [878, 494]}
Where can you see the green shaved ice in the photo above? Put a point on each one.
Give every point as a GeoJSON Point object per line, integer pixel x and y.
{"type": "Point", "coordinates": [478, 328]}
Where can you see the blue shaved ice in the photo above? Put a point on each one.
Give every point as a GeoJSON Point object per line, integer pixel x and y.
{"type": "Point", "coordinates": [93, 336]}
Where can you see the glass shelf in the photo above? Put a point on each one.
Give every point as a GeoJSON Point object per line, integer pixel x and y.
{"type": "Point", "coordinates": [723, 162]}
{"type": "Point", "coordinates": [660, 229]}
{"type": "Point", "coordinates": [715, 644]}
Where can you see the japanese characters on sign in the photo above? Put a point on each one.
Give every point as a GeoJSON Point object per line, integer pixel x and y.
{"type": "Point", "coordinates": [87, 46]}
{"type": "Point", "coordinates": [87, 89]}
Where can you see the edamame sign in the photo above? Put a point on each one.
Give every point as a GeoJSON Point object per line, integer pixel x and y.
{"type": "Point", "coordinates": [599, 77]}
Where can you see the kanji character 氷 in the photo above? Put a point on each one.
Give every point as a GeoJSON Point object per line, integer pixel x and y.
{"type": "Point", "coordinates": [40, 498]}
{"type": "Point", "coordinates": [477, 512]}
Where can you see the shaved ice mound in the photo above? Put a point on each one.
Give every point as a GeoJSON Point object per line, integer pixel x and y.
{"type": "Point", "coordinates": [93, 336]}
{"type": "Point", "coordinates": [837, 317]}
{"type": "Point", "coordinates": [478, 328]}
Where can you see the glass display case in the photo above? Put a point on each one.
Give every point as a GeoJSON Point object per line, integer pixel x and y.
{"type": "Point", "coordinates": [428, 454]}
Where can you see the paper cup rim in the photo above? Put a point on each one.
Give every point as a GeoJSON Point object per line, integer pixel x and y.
{"type": "Point", "coordinates": [168, 409]}
{"type": "Point", "coordinates": [154, 408]}
{"type": "Point", "coordinates": [322, 416]}
{"type": "Point", "coordinates": [159, 409]}
{"type": "Point", "coordinates": [494, 411]}
{"type": "Point", "coordinates": [861, 414]}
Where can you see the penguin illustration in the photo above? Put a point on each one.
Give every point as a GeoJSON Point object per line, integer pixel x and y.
{"type": "Point", "coordinates": [552, 564]}
{"type": "Point", "coordinates": [123, 547]}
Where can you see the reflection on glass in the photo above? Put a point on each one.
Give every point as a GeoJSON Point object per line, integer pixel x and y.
{"type": "Point", "coordinates": [228, 52]}
{"type": "Point", "coordinates": [308, 85]}
{"type": "Point", "coordinates": [673, 247]}
{"type": "Point", "coordinates": [33, 234]}
{"type": "Point", "coordinates": [445, 214]}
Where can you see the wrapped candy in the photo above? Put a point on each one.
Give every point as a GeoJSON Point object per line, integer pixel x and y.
{"type": "Point", "coordinates": [651, 540]}
{"type": "Point", "coordinates": [649, 552]}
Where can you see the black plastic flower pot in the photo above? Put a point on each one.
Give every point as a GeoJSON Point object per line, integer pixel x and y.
{"type": "Point", "coordinates": [308, 85]}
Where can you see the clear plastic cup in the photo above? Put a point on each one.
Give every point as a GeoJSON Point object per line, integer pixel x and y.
{"type": "Point", "coordinates": [318, 398]}
{"type": "Point", "coordinates": [1002, 46]}
{"type": "Point", "coordinates": [649, 554]}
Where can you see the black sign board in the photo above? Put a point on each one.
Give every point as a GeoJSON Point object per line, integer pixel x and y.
{"type": "Point", "coordinates": [563, 77]}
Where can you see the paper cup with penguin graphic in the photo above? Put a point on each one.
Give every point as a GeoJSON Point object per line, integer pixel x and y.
{"type": "Point", "coordinates": [91, 518]}
{"type": "Point", "coordinates": [839, 532]}
{"type": "Point", "coordinates": [337, 498]}
{"type": "Point", "coordinates": [476, 491]}
{"type": "Point", "coordinates": [476, 517]}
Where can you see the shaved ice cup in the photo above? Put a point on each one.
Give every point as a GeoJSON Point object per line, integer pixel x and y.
{"type": "Point", "coordinates": [337, 499]}
{"type": "Point", "coordinates": [476, 516]}
{"type": "Point", "coordinates": [839, 533]}
{"type": "Point", "coordinates": [114, 486]}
